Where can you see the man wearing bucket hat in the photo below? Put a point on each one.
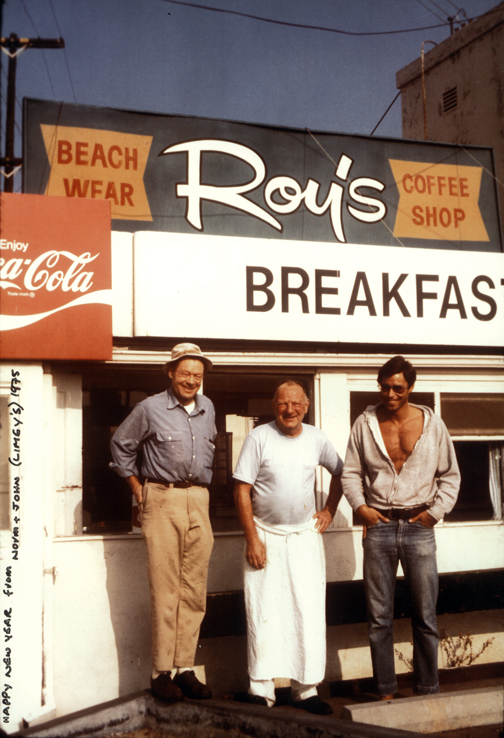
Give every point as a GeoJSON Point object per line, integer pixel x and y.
{"type": "Point", "coordinates": [175, 431]}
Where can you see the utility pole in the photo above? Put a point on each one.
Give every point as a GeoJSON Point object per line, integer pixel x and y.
{"type": "Point", "coordinates": [13, 47]}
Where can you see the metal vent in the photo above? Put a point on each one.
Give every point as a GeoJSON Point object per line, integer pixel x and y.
{"type": "Point", "coordinates": [449, 100]}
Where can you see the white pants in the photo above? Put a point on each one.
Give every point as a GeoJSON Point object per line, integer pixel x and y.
{"type": "Point", "coordinates": [266, 688]}
{"type": "Point", "coordinates": [285, 607]}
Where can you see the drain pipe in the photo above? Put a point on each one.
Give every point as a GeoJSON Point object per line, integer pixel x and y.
{"type": "Point", "coordinates": [423, 86]}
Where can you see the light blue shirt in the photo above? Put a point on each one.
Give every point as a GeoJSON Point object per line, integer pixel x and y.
{"type": "Point", "coordinates": [176, 446]}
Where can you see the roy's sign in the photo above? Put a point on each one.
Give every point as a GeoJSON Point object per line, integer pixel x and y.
{"type": "Point", "coordinates": [193, 175]}
{"type": "Point", "coordinates": [55, 278]}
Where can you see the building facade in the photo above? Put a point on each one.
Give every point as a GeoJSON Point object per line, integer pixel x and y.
{"type": "Point", "coordinates": [280, 256]}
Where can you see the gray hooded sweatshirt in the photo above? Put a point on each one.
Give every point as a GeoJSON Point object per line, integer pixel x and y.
{"type": "Point", "coordinates": [430, 474]}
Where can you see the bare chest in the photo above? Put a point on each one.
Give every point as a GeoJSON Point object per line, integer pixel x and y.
{"type": "Point", "coordinates": [400, 438]}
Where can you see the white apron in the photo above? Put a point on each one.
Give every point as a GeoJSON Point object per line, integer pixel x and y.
{"type": "Point", "coordinates": [285, 605]}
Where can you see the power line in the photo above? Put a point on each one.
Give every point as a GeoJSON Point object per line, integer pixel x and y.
{"type": "Point", "coordinates": [64, 52]}
{"type": "Point", "coordinates": [4, 100]}
{"type": "Point", "coordinates": [43, 55]}
{"type": "Point", "coordinates": [459, 10]}
{"type": "Point", "coordinates": [429, 9]}
{"type": "Point", "coordinates": [385, 113]}
{"type": "Point", "coordinates": [303, 25]}
{"type": "Point", "coordinates": [17, 98]}
{"type": "Point", "coordinates": [442, 10]}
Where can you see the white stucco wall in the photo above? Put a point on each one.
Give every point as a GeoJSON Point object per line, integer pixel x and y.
{"type": "Point", "coordinates": [102, 612]}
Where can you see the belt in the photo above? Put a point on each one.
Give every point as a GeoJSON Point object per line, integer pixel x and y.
{"type": "Point", "coordinates": [403, 513]}
{"type": "Point", "coordinates": [177, 485]}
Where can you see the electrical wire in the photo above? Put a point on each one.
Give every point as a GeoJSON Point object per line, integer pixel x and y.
{"type": "Point", "coordinates": [304, 25]}
{"type": "Point", "coordinates": [457, 7]}
{"type": "Point", "coordinates": [64, 52]}
{"type": "Point", "coordinates": [17, 98]}
{"type": "Point", "coordinates": [43, 53]}
{"type": "Point", "coordinates": [385, 113]}
{"type": "Point", "coordinates": [430, 9]}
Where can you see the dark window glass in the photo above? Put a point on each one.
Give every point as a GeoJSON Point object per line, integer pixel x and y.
{"type": "Point", "coordinates": [480, 496]}
{"type": "Point", "coordinates": [474, 414]}
{"type": "Point", "coordinates": [242, 400]}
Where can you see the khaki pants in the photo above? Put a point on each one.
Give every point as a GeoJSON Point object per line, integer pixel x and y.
{"type": "Point", "coordinates": [178, 535]}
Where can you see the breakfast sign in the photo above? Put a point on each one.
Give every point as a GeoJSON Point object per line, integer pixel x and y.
{"type": "Point", "coordinates": [193, 175]}
{"type": "Point", "coordinates": [55, 278]}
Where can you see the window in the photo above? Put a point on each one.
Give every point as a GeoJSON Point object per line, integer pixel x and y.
{"type": "Point", "coordinates": [480, 496]}
{"type": "Point", "coordinates": [476, 424]}
{"type": "Point", "coordinates": [474, 415]}
{"type": "Point", "coordinates": [242, 400]}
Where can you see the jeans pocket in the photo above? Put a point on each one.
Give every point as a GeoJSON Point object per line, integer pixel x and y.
{"type": "Point", "coordinates": [373, 525]}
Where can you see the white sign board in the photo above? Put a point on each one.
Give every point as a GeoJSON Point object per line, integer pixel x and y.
{"type": "Point", "coordinates": [279, 290]}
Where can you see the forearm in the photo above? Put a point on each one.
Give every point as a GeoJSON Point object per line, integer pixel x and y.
{"type": "Point", "coordinates": [352, 485]}
{"type": "Point", "coordinates": [136, 487]}
{"type": "Point", "coordinates": [447, 479]}
{"type": "Point", "coordinates": [353, 475]}
{"type": "Point", "coordinates": [256, 552]}
{"type": "Point", "coordinates": [243, 503]}
{"type": "Point", "coordinates": [335, 495]}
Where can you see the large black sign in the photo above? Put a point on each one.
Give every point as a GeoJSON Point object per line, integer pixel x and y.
{"type": "Point", "coordinates": [196, 175]}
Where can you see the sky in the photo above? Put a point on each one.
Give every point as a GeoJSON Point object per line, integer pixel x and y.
{"type": "Point", "coordinates": [226, 59]}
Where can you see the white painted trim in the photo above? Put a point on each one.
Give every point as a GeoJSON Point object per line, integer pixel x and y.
{"type": "Point", "coordinates": [358, 364]}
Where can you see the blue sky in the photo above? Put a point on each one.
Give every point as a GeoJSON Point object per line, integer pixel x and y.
{"type": "Point", "coordinates": [184, 59]}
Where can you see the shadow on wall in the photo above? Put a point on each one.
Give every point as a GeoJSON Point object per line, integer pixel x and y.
{"type": "Point", "coordinates": [129, 598]}
{"type": "Point", "coordinates": [222, 647]}
{"type": "Point", "coordinates": [345, 602]}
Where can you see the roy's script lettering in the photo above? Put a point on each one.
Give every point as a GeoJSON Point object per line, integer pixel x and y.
{"type": "Point", "coordinates": [282, 194]}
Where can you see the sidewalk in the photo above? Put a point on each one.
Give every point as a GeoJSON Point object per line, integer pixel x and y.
{"type": "Point", "coordinates": [142, 716]}
{"type": "Point", "coordinates": [341, 694]}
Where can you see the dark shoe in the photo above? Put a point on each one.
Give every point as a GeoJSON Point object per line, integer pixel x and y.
{"type": "Point", "coordinates": [164, 688]}
{"type": "Point", "coordinates": [314, 705]}
{"type": "Point", "coordinates": [250, 699]}
{"type": "Point", "coordinates": [192, 687]}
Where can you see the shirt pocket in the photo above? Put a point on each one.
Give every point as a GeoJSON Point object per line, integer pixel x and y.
{"type": "Point", "coordinates": [170, 444]}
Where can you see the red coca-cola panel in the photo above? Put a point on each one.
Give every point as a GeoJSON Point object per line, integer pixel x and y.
{"type": "Point", "coordinates": [55, 278]}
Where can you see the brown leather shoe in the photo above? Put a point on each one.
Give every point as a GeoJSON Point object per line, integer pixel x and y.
{"type": "Point", "coordinates": [192, 687]}
{"type": "Point", "coordinates": [164, 688]}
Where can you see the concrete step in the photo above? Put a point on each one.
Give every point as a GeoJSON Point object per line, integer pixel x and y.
{"type": "Point", "coordinates": [433, 713]}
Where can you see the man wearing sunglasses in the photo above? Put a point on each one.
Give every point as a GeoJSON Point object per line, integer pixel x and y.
{"type": "Point", "coordinates": [400, 476]}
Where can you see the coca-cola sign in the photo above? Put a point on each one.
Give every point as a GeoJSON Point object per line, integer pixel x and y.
{"type": "Point", "coordinates": [55, 278]}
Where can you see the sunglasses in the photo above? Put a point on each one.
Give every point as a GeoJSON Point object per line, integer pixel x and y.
{"type": "Point", "coordinates": [398, 389]}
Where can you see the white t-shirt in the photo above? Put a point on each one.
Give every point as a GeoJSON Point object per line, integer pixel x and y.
{"type": "Point", "coordinates": [282, 471]}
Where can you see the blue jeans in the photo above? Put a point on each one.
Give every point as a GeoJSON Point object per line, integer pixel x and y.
{"type": "Point", "coordinates": [414, 545]}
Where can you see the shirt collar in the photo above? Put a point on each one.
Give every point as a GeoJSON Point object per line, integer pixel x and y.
{"type": "Point", "coordinates": [173, 402]}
